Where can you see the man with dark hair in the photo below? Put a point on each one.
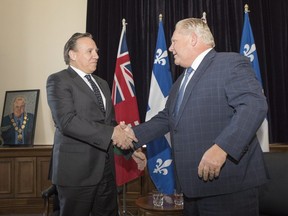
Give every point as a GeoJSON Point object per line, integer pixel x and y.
{"type": "Point", "coordinates": [83, 156]}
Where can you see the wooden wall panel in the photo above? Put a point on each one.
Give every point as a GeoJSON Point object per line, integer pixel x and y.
{"type": "Point", "coordinates": [25, 177]}
{"type": "Point", "coordinates": [6, 177]}
{"type": "Point", "coordinates": [23, 174]}
{"type": "Point", "coordinates": [42, 174]}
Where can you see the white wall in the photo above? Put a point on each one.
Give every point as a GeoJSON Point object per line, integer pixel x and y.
{"type": "Point", "coordinates": [32, 37]}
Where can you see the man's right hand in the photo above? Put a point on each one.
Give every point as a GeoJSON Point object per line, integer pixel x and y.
{"type": "Point", "coordinates": [123, 136]}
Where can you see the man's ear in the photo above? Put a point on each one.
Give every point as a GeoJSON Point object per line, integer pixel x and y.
{"type": "Point", "coordinates": [194, 39]}
{"type": "Point", "coordinates": [72, 55]}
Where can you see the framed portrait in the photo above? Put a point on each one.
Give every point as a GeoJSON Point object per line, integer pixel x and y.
{"type": "Point", "coordinates": [19, 118]}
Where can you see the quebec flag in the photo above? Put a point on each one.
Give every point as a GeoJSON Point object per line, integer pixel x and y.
{"type": "Point", "coordinates": [160, 163]}
{"type": "Point", "coordinates": [248, 48]}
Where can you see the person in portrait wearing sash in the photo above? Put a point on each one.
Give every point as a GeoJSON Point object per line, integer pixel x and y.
{"type": "Point", "coordinates": [17, 127]}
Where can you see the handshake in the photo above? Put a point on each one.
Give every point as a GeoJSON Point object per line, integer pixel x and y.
{"type": "Point", "coordinates": [123, 137]}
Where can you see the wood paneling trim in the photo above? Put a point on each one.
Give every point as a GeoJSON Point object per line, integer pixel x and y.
{"type": "Point", "coordinates": [34, 151]}
{"type": "Point", "coordinates": [279, 147]}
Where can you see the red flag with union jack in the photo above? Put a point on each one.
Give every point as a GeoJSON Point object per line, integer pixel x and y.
{"type": "Point", "coordinates": [126, 109]}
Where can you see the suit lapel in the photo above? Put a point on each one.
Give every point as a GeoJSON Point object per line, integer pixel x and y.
{"type": "Point", "coordinates": [202, 68]}
{"type": "Point", "coordinates": [82, 85]}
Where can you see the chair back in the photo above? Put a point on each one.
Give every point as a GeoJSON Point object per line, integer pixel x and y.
{"type": "Point", "coordinates": [273, 196]}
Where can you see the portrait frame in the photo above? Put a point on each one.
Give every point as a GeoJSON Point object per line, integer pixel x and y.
{"type": "Point", "coordinates": [18, 129]}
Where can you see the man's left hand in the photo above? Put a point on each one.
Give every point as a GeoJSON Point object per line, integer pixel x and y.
{"type": "Point", "coordinates": [211, 163]}
{"type": "Point", "coordinates": [140, 158]}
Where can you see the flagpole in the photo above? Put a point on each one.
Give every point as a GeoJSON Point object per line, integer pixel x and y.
{"type": "Point", "coordinates": [248, 48]}
{"type": "Point", "coordinates": [124, 186]}
{"type": "Point", "coordinates": [203, 18]}
{"type": "Point", "coordinates": [160, 150]}
{"type": "Point", "coordinates": [124, 200]}
{"type": "Point", "coordinates": [246, 8]}
{"type": "Point", "coordinates": [124, 24]}
{"type": "Point", "coordinates": [126, 170]}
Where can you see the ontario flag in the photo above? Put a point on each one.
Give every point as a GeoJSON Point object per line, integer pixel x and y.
{"type": "Point", "coordinates": [248, 49]}
{"type": "Point", "coordinates": [159, 158]}
{"type": "Point", "coordinates": [126, 109]}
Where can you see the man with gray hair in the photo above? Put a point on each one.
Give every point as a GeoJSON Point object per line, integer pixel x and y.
{"type": "Point", "coordinates": [213, 112]}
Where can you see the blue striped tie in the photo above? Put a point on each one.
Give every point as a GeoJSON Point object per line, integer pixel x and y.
{"type": "Point", "coordinates": [182, 90]}
{"type": "Point", "coordinates": [96, 92]}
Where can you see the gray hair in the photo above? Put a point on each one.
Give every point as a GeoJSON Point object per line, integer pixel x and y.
{"type": "Point", "coordinates": [199, 27]}
{"type": "Point", "coordinates": [71, 44]}
{"type": "Point", "coordinates": [19, 98]}
{"type": "Point", "coordinates": [16, 99]}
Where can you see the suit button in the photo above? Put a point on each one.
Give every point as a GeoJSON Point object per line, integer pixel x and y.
{"type": "Point", "coordinates": [245, 149]}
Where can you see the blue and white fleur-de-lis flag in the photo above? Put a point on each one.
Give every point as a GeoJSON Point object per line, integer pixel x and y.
{"type": "Point", "coordinates": [248, 48]}
{"type": "Point", "coordinates": [160, 163]}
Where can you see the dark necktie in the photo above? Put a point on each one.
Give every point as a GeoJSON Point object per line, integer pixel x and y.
{"type": "Point", "coordinates": [182, 90]}
{"type": "Point", "coordinates": [96, 92]}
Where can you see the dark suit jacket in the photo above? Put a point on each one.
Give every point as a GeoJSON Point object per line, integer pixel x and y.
{"type": "Point", "coordinates": [8, 130]}
{"type": "Point", "coordinates": [223, 104]}
{"type": "Point", "coordinates": [83, 133]}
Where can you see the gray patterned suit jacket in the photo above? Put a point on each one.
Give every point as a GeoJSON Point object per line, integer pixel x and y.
{"type": "Point", "coordinates": [223, 104]}
{"type": "Point", "coordinates": [83, 133]}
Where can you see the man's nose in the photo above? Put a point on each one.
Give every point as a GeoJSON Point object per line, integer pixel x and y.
{"type": "Point", "coordinates": [95, 55]}
{"type": "Point", "coordinates": [171, 48]}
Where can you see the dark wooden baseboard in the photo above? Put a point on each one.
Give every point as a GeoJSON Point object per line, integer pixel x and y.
{"type": "Point", "coordinates": [279, 147]}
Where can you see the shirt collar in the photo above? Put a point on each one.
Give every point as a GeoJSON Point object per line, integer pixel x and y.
{"type": "Point", "coordinates": [199, 59]}
{"type": "Point", "coordinates": [79, 72]}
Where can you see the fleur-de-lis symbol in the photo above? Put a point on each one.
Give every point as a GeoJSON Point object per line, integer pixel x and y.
{"type": "Point", "coordinates": [248, 51]}
{"type": "Point", "coordinates": [160, 57]}
{"type": "Point", "coordinates": [161, 167]}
